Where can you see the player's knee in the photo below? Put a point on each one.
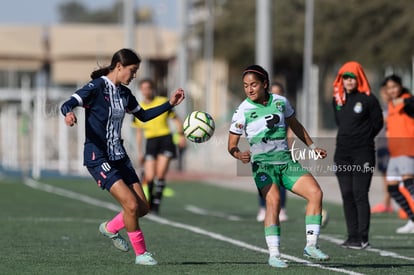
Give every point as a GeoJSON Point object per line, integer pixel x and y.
{"type": "Point", "coordinates": [316, 194]}
{"type": "Point", "coordinates": [272, 201]}
{"type": "Point", "coordinates": [131, 208]}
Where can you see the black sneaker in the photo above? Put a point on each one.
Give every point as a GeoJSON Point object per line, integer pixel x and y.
{"type": "Point", "coordinates": [365, 245]}
{"type": "Point", "coordinates": [353, 244]}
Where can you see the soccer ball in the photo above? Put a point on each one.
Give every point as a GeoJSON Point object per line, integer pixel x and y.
{"type": "Point", "coordinates": [198, 127]}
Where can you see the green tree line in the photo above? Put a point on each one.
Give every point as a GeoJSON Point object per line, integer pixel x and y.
{"type": "Point", "coordinates": [377, 33]}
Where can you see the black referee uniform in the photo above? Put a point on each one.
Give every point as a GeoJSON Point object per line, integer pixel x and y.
{"type": "Point", "coordinates": [359, 120]}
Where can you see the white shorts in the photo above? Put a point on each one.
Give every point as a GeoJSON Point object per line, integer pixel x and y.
{"type": "Point", "coordinates": [399, 166]}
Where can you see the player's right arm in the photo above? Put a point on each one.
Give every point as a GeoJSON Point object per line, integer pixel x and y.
{"type": "Point", "coordinates": [69, 105]}
{"type": "Point", "coordinates": [232, 147]}
{"type": "Point", "coordinates": [79, 98]}
{"type": "Point", "coordinates": [236, 130]}
{"type": "Point", "coordinates": [67, 110]}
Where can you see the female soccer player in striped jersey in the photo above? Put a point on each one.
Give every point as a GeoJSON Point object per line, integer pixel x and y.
{"type": "Point", "coordinates": [263, 118]}
{"type": "Point", "coordinates": [106, 99]}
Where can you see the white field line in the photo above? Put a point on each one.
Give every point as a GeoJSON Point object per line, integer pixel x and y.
{"type": "Point", "coordinates": [204, 212]}
{"type": "Point", "coordinates": [386, 237]}
{"type": "Point", "coordinates": [52, 219]}
{"type": "Point", "coordinates": [90, 200]}
{"type": "Point", "coordinates": [72, 195]}
{"type": "Point", "coordinates": [381, 252]}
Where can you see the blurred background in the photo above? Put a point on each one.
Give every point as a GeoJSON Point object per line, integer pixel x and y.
{"type": "Point", "coordinates": [49, 48]}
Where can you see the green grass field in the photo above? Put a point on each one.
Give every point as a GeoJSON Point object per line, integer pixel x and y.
{"type": "Point", "coordinates": [51, 227]}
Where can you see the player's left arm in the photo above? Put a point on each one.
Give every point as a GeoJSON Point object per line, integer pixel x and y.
{"type": "Point", "coordinates": [144, 115]}
{"type": "Point", "coordinates": [303, 135]}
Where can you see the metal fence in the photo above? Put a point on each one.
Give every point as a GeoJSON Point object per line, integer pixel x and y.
{"type": "Point", "coordinates": [34, 138]}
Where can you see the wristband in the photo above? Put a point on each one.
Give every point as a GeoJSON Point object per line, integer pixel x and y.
{"type": "Point", "coordinates": [234, 150]}
{"type": "Point", "coordinates": [312, 146]}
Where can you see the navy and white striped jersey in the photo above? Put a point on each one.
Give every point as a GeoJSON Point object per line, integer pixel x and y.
{"type": "Point", "coordinates": [105, 107]}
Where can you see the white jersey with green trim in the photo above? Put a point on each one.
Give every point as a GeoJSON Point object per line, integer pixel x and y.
{"type": "Point", "coordinates": [265, 128]}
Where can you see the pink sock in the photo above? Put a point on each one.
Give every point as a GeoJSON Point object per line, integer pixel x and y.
{"type": "Point", "coordinates": [116, 224]}
{"type": "Point", "coordinates": [137, 242]}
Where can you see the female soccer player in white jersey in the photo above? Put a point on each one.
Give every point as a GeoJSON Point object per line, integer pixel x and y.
{"type": "Point", "coordinates": [263, 117]}
{"type": "Point", "coordinates": [106, 99]}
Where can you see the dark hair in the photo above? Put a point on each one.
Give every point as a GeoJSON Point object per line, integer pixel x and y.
{"type": "Point", "coordinates": [259, 72]}
{"type": "Point", "coordinates": [147, 80]}
{"type": "Point", "coordinates": [395, 78]}
{"type": "Point", "coordinates": [124, 56]}
{"type": "Point", "coordinates": [280, 86]}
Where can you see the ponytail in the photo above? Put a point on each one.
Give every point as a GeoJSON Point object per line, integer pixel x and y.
{"type": "Point", "coordinates": [124, 56]}
{"type": "Point", "coordinates": [100, 72]}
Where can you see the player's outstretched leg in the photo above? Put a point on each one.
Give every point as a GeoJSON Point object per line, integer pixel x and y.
{"type": "Point", "coordinates": [118, 241]}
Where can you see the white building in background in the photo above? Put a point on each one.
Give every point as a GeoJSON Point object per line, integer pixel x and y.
{"type": "Point", "coordinates": [40, 67]}
{"type": "Point", "coordinates": [72, 51]}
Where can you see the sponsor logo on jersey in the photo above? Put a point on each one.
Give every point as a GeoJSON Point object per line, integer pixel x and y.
{"type": "Point", "coordinates": [238, 126]}
{"type": "Point", "coordinates": [266, 139]}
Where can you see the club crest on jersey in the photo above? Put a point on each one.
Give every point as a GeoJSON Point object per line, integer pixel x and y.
{"type": "Point", "coordinates": [280, 106]}
{"type": "Point", "coordinates": [358, 107]}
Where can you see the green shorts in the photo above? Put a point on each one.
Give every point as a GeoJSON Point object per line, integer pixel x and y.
{"type": "Point", "coordinates": [281, 174]}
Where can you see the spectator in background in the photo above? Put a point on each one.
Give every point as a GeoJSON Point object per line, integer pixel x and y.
{"type": "Point", "coordinates": [400, 134]}
{"type": "Point", "coordinates": [383, 156]}
{"type": "Point", "coordinates": [359, 118]}
{"type": "Point", "coordinates": [159, 148]}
